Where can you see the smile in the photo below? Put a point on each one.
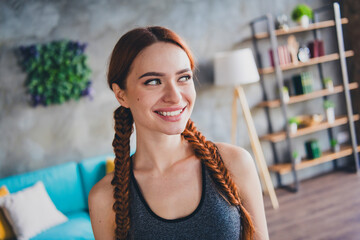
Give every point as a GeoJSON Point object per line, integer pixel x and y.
{"type": "Point", "coordinates": [170, 113]}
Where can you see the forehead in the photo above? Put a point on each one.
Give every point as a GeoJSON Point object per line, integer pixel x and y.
{"type": "Point", "coordinates": [160, 57]}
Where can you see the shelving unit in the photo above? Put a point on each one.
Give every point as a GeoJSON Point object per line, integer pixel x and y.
{"type": "Point", "coordinates": [281, 136]}
{"type": "Point", "coordinates": [298, 29]}
{"type": "Point", "coordinates": [312, 61]}
{"type": "Point", "coordinates": [308, 96]}
{"type": "Point", "coordinates": [327, 156]}
{"type": "Point", "coordinates": [272, 35]}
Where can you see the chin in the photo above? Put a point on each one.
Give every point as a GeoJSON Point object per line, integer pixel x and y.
{"type": "Point", "coordinates": [175, 130]}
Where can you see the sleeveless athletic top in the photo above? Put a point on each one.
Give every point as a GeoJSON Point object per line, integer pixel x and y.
{"type": "Point", "coordinates": [214, 217]}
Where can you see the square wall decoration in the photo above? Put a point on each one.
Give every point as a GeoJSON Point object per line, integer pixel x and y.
{"type": "Point", "coordinates": [56, 72]}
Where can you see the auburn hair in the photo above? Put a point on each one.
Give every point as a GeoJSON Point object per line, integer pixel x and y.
{"type": "Point", "coordinates": [123, 55]}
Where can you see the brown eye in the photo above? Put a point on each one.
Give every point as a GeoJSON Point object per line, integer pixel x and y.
{"type": "Point", "coordinates": [185, 78]}
{"type": "Point", "coordinates": [153, 82]}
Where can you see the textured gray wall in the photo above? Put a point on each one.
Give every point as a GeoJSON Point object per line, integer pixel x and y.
{"type": "Point", "coordinates": [31, 138]}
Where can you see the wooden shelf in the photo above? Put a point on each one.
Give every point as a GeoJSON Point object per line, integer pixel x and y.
{"type": "Point", "coordinates": [280, 136]}
{"type": "Point", "coordinates": [312, 61]}
{"type": "Point", "coordinates": [308, 96]}
{"type": "Point", "coordinates": [327, 156]}
{"type": "Point", "coordinates": [297, 29]}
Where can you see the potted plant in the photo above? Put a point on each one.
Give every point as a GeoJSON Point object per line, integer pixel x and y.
{"type": "Point", "coordinates": [296, 157]}
{"type": "Point", "coordinates": [329, 108]}
{"type": "Point", "coordinates": [285, 94]}
{"type": "Point", "coordinates": [335, 146]}
{"type": "Point", "coordinates": [57, 71]}
{"type": "Point", "coordinates": [302, 14]}
{"type": "Point", "coordinates": [328, 83]}
{"type": "Point", "coordinates": [293, 124]}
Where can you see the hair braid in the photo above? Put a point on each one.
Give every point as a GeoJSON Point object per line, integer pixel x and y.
{"type": "Point", "coordinates": [209, 154]}
{"type": "Point", "coordinates": [121, 144]}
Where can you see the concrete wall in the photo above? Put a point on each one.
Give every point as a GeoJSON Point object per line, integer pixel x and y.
{"type": "Point", "coordinates": [31, 138]}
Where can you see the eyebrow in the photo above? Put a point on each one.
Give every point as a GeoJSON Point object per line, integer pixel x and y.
{"type": "Point", "coordinates": [157, 74]}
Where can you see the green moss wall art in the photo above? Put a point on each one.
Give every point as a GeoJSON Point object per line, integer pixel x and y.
{"type": "Point", "coordinates": [56, 72]}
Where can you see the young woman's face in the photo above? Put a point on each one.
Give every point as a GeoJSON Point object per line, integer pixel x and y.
{"type": "Point", "coordinates": [159, 89]}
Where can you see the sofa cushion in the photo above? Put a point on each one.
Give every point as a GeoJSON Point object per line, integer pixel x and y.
{"type": "Point", "coordinates": [6, 231]}
{"type": "Point", "coordinates": [31, 211]}
{"type": "Point", "coordinates": [78, 227]}
{"type": "Point", "coordinates": [110, 165]}
{"type": "Point", "coordinates": [62, 182]}
{"type": "Point", "coordinates": [92, 170]}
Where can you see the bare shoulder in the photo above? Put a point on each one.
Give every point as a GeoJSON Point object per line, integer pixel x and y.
{"type": "Point", "coordinates": [102, 190]}
{"type": "Point", "coordinates": [240, 165]}
{"type": "Point", "coordinates": [236, 159]}
{"type": "Point", "coordinates": [100, 208]}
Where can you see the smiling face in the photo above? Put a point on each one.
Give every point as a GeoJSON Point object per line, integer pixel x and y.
{"type": "Point", "coordinates": [159, 89]}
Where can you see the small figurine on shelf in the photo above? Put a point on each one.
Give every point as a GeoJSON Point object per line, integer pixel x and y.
{"type": "Point", "coordinates": [285, 94]}
{"type": "Point", "coordinates": [293, 47]}
{"type": "Point", "coordinates": [282, 22]}
{"type": "Point", "coordinates": [328, 83]}
{"type": "Point", "coordinates": [335, 146]}
{"type": "Point", "coordinates": [296, 157]}
{"type": "Point", "coordinates": [330, 112]}
{"type": "Point", "coordinates": [302, 14]}
{"type": "Point", "coordinates": [293, 124]}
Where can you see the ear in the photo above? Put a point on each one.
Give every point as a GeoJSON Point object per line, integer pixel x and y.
{"type": "Point", "coordinates": [120, 95]}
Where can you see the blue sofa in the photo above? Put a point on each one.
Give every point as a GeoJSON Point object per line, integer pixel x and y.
{"type": "Point", "coordinates": [68, 186]}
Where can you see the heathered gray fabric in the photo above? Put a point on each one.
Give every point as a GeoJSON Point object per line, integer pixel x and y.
{"type": "Point", "coordinates": [214, 217]}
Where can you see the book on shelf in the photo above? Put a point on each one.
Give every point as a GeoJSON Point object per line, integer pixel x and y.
{"type": "Point", "coordinates": [283, 55]}
{"type": "Point", "coordinates": [316, 48]}
{"type": "Point", "coordinates": [302, 83]}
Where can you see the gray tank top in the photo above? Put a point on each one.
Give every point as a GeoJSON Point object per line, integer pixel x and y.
{"type": "Point", "coordinates": [214, 217]}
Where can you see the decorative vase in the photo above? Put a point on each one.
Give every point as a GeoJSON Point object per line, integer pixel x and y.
{"type": "Point", "coordinates": [293, 128]}
{"type": "Point", "coordinates": [330, 115]}
{"type": "Point", "coordinates": [336, 148]}
{"type": "Point", "coordinates": [286, 97]}
{"type": "Point", "coordinates": [304, 21]}
{"type": "Point", "coordinates": [330, 86]}
{"type": "Point", "coordinates": [298, 160]}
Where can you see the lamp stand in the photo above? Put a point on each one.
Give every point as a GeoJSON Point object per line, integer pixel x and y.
{"type": "Point", "coordinates": [255, 143]}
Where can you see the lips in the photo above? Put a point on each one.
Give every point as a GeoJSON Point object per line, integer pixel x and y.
{"type": "Point", "coordinates": [170, 113]}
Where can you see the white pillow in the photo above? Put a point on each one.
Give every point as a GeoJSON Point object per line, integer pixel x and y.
{"type": "Point", "coordinates": [31, 211]}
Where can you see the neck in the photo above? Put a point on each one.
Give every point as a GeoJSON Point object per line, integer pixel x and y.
{"type": "Point", "coordinates": [159, 152]}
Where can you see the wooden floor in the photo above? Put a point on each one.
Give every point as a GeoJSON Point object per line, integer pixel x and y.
{"type": "Point", "coordinates": [324, 208]}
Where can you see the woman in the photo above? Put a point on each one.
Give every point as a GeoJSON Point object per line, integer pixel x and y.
{"type": "Point", "coordinates": [177, 185]}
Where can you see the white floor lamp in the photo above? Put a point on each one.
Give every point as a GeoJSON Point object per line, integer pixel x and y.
{"type": "Point", "coordinates": [238, 68]}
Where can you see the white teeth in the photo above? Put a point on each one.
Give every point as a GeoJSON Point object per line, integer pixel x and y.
{"type": "Point", "coordinates": [174, 113]}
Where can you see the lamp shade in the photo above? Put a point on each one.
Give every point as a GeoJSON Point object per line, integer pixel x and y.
{"type": "Point", "coordinates": [235, 68]}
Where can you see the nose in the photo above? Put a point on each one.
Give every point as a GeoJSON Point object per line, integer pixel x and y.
{"type": "Point", "coordinates": [172, 93]}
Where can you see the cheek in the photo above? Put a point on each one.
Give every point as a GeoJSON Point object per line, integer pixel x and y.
{"type": "Point", "coordinates": [191, 93]}
{"type": "Point", "coordinates": [194, 94]}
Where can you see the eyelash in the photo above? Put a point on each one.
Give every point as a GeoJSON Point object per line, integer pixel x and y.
{"type": "Point", "coordinates": [148, 82]}
{"type": "Point", "coordinates": [188, 77]}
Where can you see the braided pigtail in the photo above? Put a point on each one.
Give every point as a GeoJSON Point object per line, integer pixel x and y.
{"type": "Point", "coordinates": [121, 144]}
{"type": "Point", "coordinates": [209, 154]}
